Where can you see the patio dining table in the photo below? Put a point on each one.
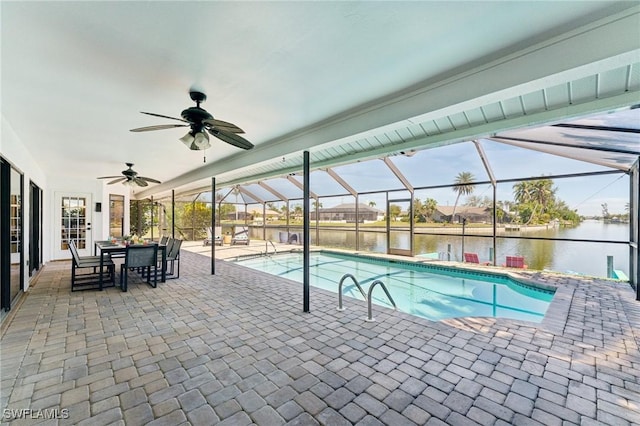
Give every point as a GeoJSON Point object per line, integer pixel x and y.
{"type": "Point", "coordinates": [114, 248]}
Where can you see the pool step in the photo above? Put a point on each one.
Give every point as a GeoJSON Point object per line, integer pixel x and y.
{"type": "Point", "coordinates": [620, 275]}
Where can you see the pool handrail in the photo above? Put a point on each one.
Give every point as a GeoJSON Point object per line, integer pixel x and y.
{"type": "Point", "coordinates": [369, 309]}
{"type": "Point", "coordinates": [266, 247]}
{"type": "Point", "coordinates": [345, 276]}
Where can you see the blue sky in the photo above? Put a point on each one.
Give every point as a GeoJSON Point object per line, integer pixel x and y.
{"type": "Point", "coordinates": [440, 167]}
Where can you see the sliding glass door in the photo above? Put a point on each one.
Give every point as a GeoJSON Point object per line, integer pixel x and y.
{"type": "Point", "coordinates": [35, 228]}
{"type": "Point", "coordinates": [11, 234]}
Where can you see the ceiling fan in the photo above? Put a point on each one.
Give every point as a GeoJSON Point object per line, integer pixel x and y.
{"type": "Point", "coordinates": [200, 122]}
{"type": "Point", "coordinates": [130, 177]}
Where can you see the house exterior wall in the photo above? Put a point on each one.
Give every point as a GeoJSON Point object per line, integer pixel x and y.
{"type": "Point", "coordinates": [347, 213]}
{"type": "Point", "coordinates": [13, 149]}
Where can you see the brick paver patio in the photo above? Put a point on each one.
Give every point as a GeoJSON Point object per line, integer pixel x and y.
{"type": "Point", "coordinates": [236, 349]}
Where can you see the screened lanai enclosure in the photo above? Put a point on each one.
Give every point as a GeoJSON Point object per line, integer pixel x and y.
{"type": "Point", "coordinates": [563, 196]}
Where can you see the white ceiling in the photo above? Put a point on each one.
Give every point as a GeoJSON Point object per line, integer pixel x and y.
{"type": "Point", "coordinates": [334, 78]}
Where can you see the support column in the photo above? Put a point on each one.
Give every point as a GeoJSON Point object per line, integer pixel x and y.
{"type": "Point", "coordinates": [173, 213]}
{"type": "Point", "coordinates": [634, 227]}
{"type": "Point", "coordinates": [305, 233]}
{"type": "Point", "coordinates": [213, 226]}
{"type": "Point", "coordinates": [357, 222]}
{"type": "Point", "coordinates": [495, 224]}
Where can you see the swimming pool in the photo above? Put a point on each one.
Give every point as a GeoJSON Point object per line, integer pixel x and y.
{"type": "Point", "coordinates": [427, 291]}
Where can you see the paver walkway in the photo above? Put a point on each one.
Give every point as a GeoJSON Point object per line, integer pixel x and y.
{"type": "Point", "coordinates": [236, 349]}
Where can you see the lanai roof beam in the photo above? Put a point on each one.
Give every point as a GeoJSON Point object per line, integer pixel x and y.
{"type": "Point", "coordinates": [398, 174]}
{"type": "Point", "coordinates": [250, 194]}
{"type": "Point", "coordinates": [341, 181]}
{"type": "Point", "coordinates": [273, 191]}
{"type": "Point", "coordinates": [299, 185]}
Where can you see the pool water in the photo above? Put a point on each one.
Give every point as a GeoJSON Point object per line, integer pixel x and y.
{"type": "Point", "coordinates": [431, 292]}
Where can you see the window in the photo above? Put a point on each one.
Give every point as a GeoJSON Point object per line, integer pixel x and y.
{"type": "Point", "coordinates": [116, 215]}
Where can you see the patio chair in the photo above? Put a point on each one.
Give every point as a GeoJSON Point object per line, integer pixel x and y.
{"type": "Point", "coordinates": [473, 258]}
{"type": "Point", "coordinates": [74, 252]}
{"type": "Point", "coordinates": [207, 241]}
{"type": "Point", "coordinates": [241, 236]}
{"type": "Point", "coordinates": [515, 262]}
{"type": "Point", "coordinates": [90, 280]}
{"type": "Point", "coordinates": [143, 257]}
{"type": "Point", "coordinates": [173, 257]}
{"type": "Point", "coordinates": [293, 238]}
{"type": "Point", "coordinates": [168, 242]}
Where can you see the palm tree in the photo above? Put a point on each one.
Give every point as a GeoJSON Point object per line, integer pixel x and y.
{"type": "Point", "coordinates": [425, 209]}
{"type": "Point", "coordinates": [522, 192]}
{"type": "Point", "coordinates": [462, 185]}
{"type": "Point", "coordinates": [544, 194]}
{"type": "Point", "coordinates": [523, 195]}
{"type": "Point", "coordinates": [372, 204]}
{"type": "Point", "coordinates": [539, 193]}
{"type": "Point", "coordinates": [430, 205]}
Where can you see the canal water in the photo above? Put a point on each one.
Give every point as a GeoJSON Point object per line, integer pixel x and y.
{"type": "Point", "coordinates": [562, 256]}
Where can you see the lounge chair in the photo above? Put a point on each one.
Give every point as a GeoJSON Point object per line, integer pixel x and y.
{"type": "Point", "coordinates": [217, 239]}
{"type": "Point", "coordinates": [473, 258]}
{"type": "Point", "coordinates": [515, 262]}
{"type": "Point", "coordinates": [241, 236]}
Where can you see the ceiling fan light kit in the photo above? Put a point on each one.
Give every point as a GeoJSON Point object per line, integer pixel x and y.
{"type": "Point", "coordinates": [201, 124]}
{"type": "Point", "coordinates": [196, 142]}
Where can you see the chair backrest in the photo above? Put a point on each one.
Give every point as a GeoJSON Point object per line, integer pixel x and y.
{"type": "Point", "coordinates": [515, 261]}
{"type": "Point", "coordinates": [471, 258]}
{"type": "Point", "coordinates": [141, 255]}
{"type": "Point", "coordinates": [241, 231]}
{"type": "Point", "coordinates": [163, 240]}
{"type": "Point", "coordinates": [174, 251]}
{"type": "Point", "coordinates": [74, 251]}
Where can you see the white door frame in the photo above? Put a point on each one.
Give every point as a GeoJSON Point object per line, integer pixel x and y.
{"type": "Point", "coordinates": [78, 226]}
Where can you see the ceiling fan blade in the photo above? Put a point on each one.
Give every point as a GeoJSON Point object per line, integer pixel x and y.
{"type": "Point", "coordinates": [121, 179]}
{"type": "Point", "coordinates": [163, 116]}
{"type": "Point", "coordinates": [140, 182]}
{"type": "Point", "coordinates": [158, 127]}
{"type": "Point", "coordinates": [231, 138]}
{"type": "Point", "coordinates": [223, 125]}
{"type": "Point", "coordinates": [109, 177]}
{"type": "Point", "coordinates": [148, 179]}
